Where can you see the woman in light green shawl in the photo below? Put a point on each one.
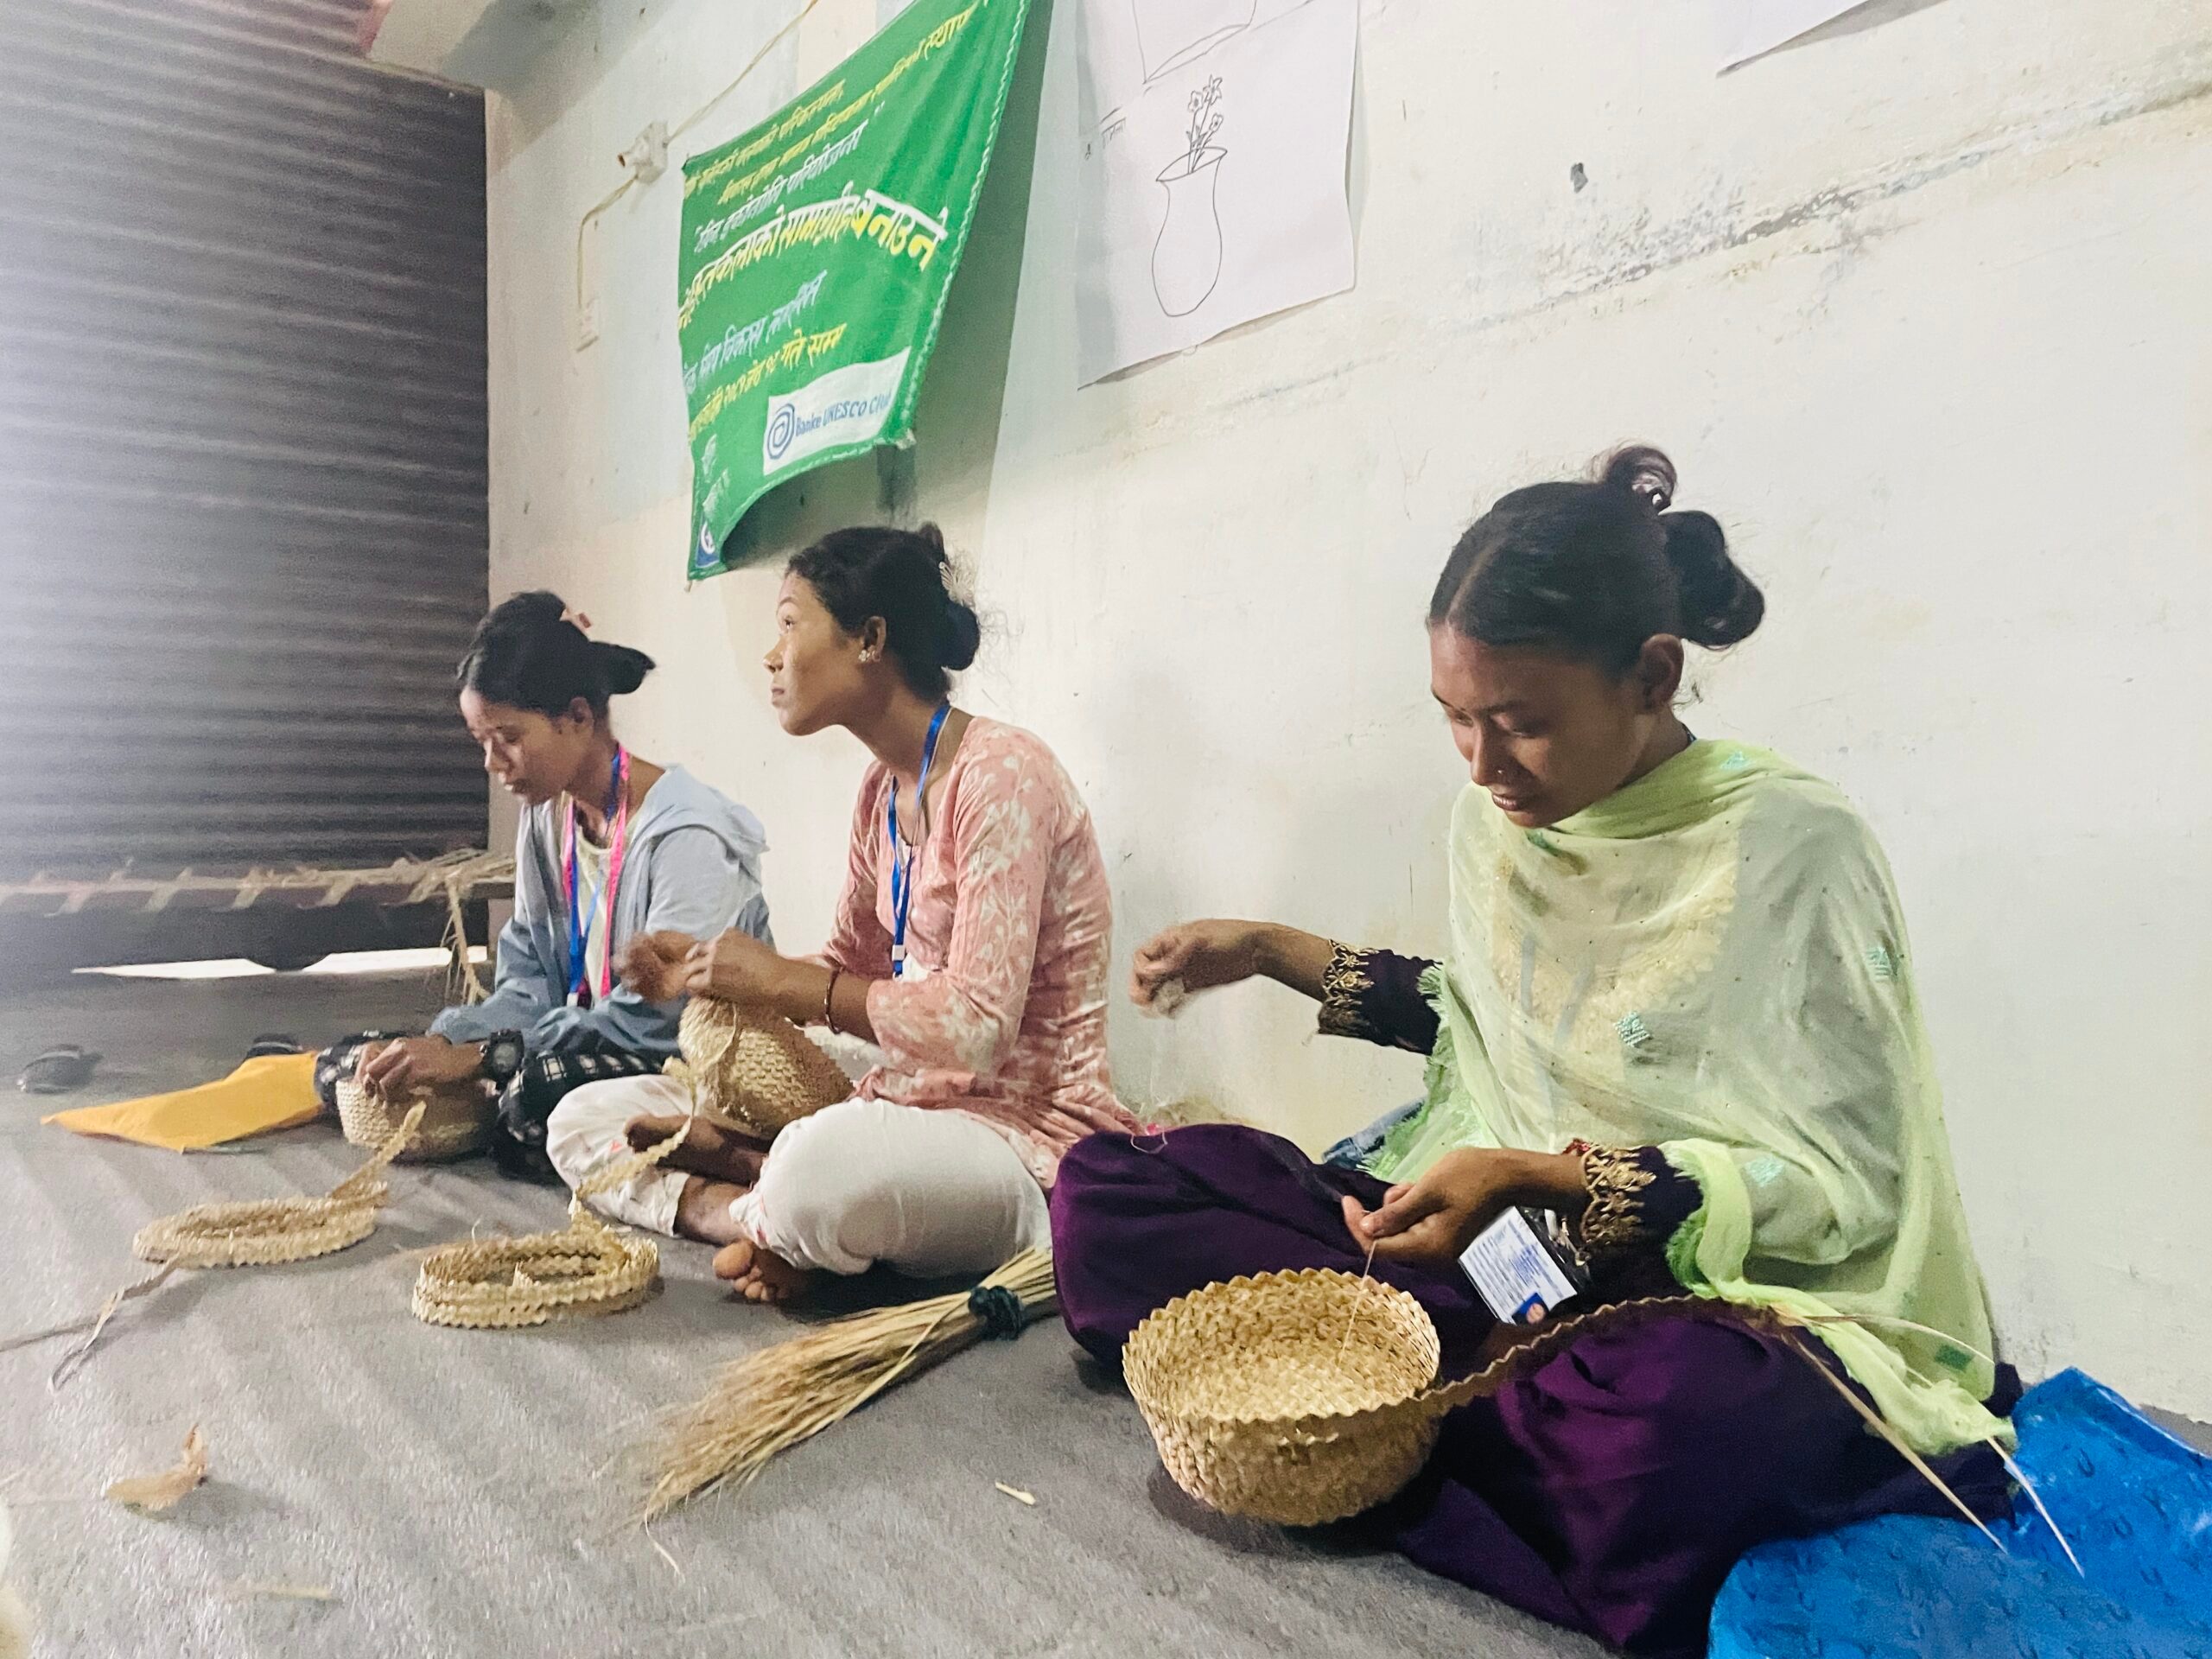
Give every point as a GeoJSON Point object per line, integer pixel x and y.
{"type": "Point", "coordinates": [1677, 1015]}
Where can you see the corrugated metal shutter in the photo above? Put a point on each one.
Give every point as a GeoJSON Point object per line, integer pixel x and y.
{"type": "Point", "coordinates": [243, 530]}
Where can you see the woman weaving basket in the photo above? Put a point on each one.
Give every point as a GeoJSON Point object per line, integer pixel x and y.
{"type": "Point", "coordinates": [1677, 1014]}
{"type": "Point", "coordinates": [971, 946]}
{"type": "Point", "coordinates": [610, 847]}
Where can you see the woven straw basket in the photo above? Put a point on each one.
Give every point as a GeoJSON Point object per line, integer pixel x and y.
{"type": "Point", "coordinates": [504, 1284]}
{"type": "Point", "coordinates": [588, 1267]}
{"type": "Point", "coordinates": [755, 1069]}
{"type": "Point", "coordinates": [1298, 1398]}
{"type": "Point", "coordinates": [457, 1119]}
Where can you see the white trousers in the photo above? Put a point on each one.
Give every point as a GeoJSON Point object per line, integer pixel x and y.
{"type": "Point", "coordinates": [927, 1193]}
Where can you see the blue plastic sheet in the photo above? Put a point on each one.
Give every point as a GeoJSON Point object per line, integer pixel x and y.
{"type": "Point", "coordinates": [2135, 1502]}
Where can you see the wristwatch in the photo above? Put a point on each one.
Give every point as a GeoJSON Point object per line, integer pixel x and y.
{"type": "Point", "coordinates": [503, 1056]}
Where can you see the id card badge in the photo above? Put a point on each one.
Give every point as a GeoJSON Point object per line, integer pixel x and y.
{"type": "Point", "coordinates": [1521, 1271]}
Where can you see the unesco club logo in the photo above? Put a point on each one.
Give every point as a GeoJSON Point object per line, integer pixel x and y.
{"type": "Point", "coordinates": [783, 426]}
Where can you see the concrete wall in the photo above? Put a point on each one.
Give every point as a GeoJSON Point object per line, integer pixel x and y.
{"type": "Point", "coordinates": [1921, 308]}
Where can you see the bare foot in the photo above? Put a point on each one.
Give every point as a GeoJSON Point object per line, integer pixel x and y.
{"type": "Point", "coordinates": [719, 1154]}
{"type": "Point", "coordinates": [758, 1275]}
{"type": "Point", "coordinates": [703, 1211]}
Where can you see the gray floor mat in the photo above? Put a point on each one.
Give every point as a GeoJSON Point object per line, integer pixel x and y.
{"type": "Point", "coordinates": [444, 1485]}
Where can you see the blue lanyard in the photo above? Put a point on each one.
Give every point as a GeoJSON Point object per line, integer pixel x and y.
{"type": "Point", "coordinates": [902, 874]}
{"type": "Point", "coordinates": [617, 810]}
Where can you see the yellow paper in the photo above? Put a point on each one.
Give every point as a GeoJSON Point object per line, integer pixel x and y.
{"type": "Point", "coordinates": [276, 1091]}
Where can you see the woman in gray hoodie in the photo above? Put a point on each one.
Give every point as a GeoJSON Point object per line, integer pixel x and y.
{"type": "Point", "coordinates": [610, 847]}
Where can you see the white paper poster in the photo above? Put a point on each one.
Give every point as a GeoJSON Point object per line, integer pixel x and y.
{"type": "Point", "coordinates": [1750, 28]}
{"type": "Point", "coordinates": [1212, 169]}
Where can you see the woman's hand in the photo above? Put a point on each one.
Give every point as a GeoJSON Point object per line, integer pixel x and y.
{"type": "Point", "coordinates": [1430, 1221]}
{"type": "Point", "coordinates": [654, 964]}
{"type": "Point", "coordinates": [737, 968]}
{"type": "Point", "coordinates": [416, 1062]}
{"type": "Point", "coordinates": [1198, 955]}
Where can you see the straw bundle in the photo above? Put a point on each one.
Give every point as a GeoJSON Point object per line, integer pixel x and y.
{"type": "Point", "coordinates": [264, 1231]}
{"type": "Point", "coordinates": [768, 1402]}
{"type": "Point", "coordinates": [588, 1268]}
{"type": "Point", "coordinates": [456, 1119]}
{"type": "Point", "coordinates": [754, 1068]}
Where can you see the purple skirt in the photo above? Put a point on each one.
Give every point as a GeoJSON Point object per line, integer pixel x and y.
{"type": "Point", "coordinates": [1608, 1487]}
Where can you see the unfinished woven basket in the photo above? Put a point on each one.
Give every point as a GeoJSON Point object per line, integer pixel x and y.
{"type": "Point", "coordinates": [504, 1284]}
{"type": "Point", "coordinates": [1298, 1397]}
{"type": "Point", "coordinates": [268, 1230]}
{"type": "Point", "coordinates": [754, 1068]}
{"type": "Point", "coordinates": [457, 1119]}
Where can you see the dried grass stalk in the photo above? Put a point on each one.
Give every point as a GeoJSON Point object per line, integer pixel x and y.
{"type": "Point", "coordinates": [151, 1494]}
{"type": "Point", "coordinates": [1880, 1426]}
{"type": "Point", "coordinates": [278, 1590]}
{"type": "Point", "coordinates": [768, 1402]}
{"type": "Point", "coordinates": [96, 1321]}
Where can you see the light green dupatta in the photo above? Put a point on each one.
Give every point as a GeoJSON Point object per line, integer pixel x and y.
{"type": "Point", "coordinates": [1712, 961]}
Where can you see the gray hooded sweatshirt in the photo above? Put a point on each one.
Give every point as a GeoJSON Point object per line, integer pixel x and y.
{"type": "Point", "coordinates": [693, 866]}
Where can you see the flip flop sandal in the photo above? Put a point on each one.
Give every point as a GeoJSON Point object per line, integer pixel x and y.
{"type": "Point", "coordinates": [273, 1042]}
{"type": "Point", "coordinates": [61, 1069]}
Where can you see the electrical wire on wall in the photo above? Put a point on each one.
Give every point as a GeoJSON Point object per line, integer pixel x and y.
{"type": "Point", "coordinates": [643, 171]}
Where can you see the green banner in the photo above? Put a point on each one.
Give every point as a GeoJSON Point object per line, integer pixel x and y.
{"type": "Point", "coordinates": [817, 248]}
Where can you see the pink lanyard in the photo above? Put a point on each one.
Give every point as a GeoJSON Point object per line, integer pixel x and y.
{"type": "Point", "coordinates": [619, 805]}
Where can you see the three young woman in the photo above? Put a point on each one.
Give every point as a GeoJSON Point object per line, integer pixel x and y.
{"type": "Point", "coordinates": [971, 946]}
{"type": "Point", "coordinates": [611, 846]}
{"type": "Point", "coordinates": [1678, 1011]}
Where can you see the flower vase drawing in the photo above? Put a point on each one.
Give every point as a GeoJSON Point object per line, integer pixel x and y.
{"type": "Point", "coordinates": [1186, 257]}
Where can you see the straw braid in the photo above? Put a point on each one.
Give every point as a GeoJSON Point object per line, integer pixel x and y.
{"type": "Point", "coordinates": [504, 1284]}
{"type": "Point", "coordinates": [263, 1231]}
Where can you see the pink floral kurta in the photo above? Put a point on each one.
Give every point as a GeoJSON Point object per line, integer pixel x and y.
{"type": "Point", "coordinates": [1009, 936]}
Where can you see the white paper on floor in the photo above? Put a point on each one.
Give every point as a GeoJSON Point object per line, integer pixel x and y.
{"type": "Point", "coordinates": [1213, 145]}
{"type": "Point", "coordinates": [1750, 27]}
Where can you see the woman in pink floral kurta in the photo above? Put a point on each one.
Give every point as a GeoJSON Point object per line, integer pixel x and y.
{"type": "Point", "coordinates": [1001, 1012]}
{"type": "Point", "coordinates": [992, 1029]}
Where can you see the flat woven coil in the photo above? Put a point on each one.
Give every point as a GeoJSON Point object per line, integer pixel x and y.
{"type": "Point", "coordinates": [262, 1231]}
